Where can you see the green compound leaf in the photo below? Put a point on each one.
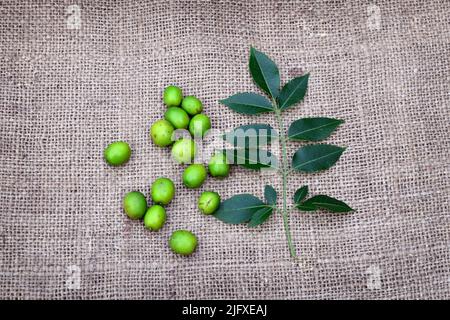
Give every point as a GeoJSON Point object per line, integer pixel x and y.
{"type": "Point", "coordinates": [264, 72]}
{"type": "Point", "coordinates": [327, 203]}
{"type": "Point", "coordinates": [260, 216]}
{"type": "Point", "coordinates": [239, 208]}
{"type": "Point", "coordinates": [316, 157]}
{"type": "Point", "coordinates": [300, 194]}
{"type": "Point", "coordinates": [293, 92]}
{"type": "Point", "coordinates": [251, 136]}
{"type": "Point", "coordinates": [270, 195]}
{"type": "Point", "coordinates": [252, 158]}
{"type": "Point", "coordinates": [248, 103]}
{"type": "Point", "coordinates": [313, 129]}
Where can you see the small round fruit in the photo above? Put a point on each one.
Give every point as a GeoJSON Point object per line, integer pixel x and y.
{"type": "Point", "coordinates": [183, 150]}
{"type": "Point", "coordinates": [199, 124]}
{"type": "Point", "coordinates": [161, 133]}
{"type": "Point", "coordinates": [117, 153]}
{"type": "Point", "coordinates": [162, 191]}
{"type": "Point", "coordinates": [192, 105]}
{"type": "Point", "coordinates": [208, 202]}
{"type": "Point", "coordinates": [194, 176]}
{"type": "Point", "coordinates": [155, 217]}
{"type": "Point", "coordinates": [172, 96]}
{"type": "Point", "coordinates": [135, 204]}
{"type": "Point", "coordinates": [218, 166]}
{"type": "Point", "coordinates": [183, 242]}
{"type": "Point", "coordinates": [177, 117]}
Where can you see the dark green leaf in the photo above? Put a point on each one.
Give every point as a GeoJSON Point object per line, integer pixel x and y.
{"type": "Point", "coordinates": [304, 207]}
{"type": "Point", "coordinates": [327, 203]}
{"type": "Point", "coordinates": [316, 157]}
{"type": "Point", "coordinates": [270, 195]}
{"type": "Point", "coordinates": [300, 194]}
{"type": "Point", "coordinates": [239, 208]}
{"type": "Point", "coordinates": [313, 129]}
{"type": "Point", "coordinates": [251, 136]}
{"type": "Point", "coordinates": [260, 216]}
{"type": "Point", "coordinates": [248, 103]}
{"type": "Point", "coordinates": [265, 72]}
{"type": "Point", "coordinates": [293, 92]}
{"type": "Point", "coordinates": [252, 158]}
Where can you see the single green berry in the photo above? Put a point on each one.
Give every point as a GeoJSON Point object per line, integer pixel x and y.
{"type": "Point", "coordinates": [117, 153]}
{"type": "Point", "coordinates": [183, 242]}
{"type": "Point", "coordinates": [135, 205]}
{"type": "Point", "coordinates": [184, 150]}
{"type": "Point", "coordinates": [162, 191]}
{"type": "Point", "coordinates": [194, 175]}
{"type": "Point", "coordinates": [155, 217]}
{"type": "Point", "coordinates": [192, 105]}
{"type": "Point", "coordinates": [218, 165]}
{"type": "Point", "coordinates": [161, 133]}
{"type": "Point", "coordinates": [172, 96]}
{"type": "Point", "coordinates": [177, 117]}
{"type": "Point", "coordinates": [199, 124]}
{"type": "Point", "coordinates": [208, 202]}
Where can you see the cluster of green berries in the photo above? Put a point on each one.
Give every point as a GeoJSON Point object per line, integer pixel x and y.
{"type": "Point", "coordinates": [185, 113]}
{"type": "Point", "coordinates": [162, 192]}
{"type": "Point", "coordinates": [182, 113]}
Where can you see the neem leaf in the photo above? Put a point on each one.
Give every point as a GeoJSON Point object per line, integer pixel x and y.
{"type": "Point", "coordinates": [327, 203]}
{"type": "Point", "coordinates": [265, 72]}
{"type": "Point", "coordinates": [260, 216]}
{"type": "Point", "coordinates": [248, 103]}
{"type": "Point", "coordinates": [252, 158]}
{"type": "Point", "coordinates": [316, 157]}
{"type": "Point", "coordinates": [313, 129]}
{"type": "Point", "coordinates": [300, 194]}
{"type": "Point", "coordinates": [239, 208]}
{"type": "Point", "coordinates": [293, 92]}
{"type": "Point", "coordinates": [251, 136]}
{"type": "Point", "coordinates": [270, 195]}
{"type": "Point", "coordinates": [304, 207]}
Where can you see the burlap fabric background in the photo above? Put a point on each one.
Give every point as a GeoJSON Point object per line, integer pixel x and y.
{"type": "Point", "coordinates": [70, 86]}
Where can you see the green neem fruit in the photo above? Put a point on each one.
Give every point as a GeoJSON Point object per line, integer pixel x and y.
{"type": "Point", "coordinates": [172, 96]}
{"type": "Point", "coordinates": [177, 117]}
{"type": "Point", "coordinates": [183, 242]}
{"type": "Point", "coordinates": [218, 166]}
{"type": "Point", "coordinates": [194, 175]}
{"type": "Point", "coordinates": [162, 191]}
{"type": "Point", "coordinates": [161, 133]}
{"type": "Point", "coordinates": [192, 105]}
{"type": "Point", "coordinates": [117, 153]}
{"type": "Point", "coordinates": [155, 217]}
{"type": "Point", "coordinates": [135, 204]}
{"type": "Point", "coordinates": [183, 150]}
{"type": "Point", "coordinates": [199, 124]}
{"type": "Point", "coordinates": [208, 202]}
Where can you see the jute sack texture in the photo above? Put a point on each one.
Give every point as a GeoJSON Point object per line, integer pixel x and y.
{"type": "Point", "coordinates": [76, 76]}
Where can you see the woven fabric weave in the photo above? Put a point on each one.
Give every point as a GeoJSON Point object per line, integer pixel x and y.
{"type": "Point", "coordinates": [76, 76]}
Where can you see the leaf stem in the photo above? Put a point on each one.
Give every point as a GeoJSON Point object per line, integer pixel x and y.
{"type": "Point", "coordinates": [284, 173]}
